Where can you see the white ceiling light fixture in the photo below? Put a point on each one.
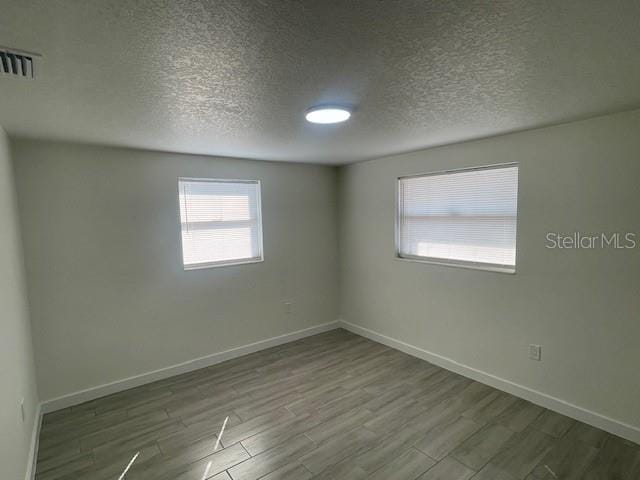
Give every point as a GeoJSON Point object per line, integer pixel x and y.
{"type": "Point", "coordinates": [327, 114]}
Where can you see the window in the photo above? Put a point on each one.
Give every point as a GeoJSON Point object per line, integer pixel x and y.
{"type": "Point", "coordinates": [220, 222]}
{"type": "Point", "coordinates": [461, 217]}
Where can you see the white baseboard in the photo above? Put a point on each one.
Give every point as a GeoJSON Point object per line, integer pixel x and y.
{"type": "Point", "coordinates": [608, 424]}
{"type": "Point", "coordinates": [202, 362]}
{"type": "Point", "coordinates": [33, 446]}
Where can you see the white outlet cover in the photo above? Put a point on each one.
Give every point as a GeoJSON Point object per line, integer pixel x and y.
{"type": "Point", "coordinates": [535, 352]}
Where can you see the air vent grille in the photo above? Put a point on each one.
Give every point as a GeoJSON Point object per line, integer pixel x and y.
{"type": "Point", "coordinates": [15, 63]}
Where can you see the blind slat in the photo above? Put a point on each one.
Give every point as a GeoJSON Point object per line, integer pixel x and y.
{"type": "Point", "coordinates": [464, 216]}
{"type": "Point", "coordinates": [220, 221]}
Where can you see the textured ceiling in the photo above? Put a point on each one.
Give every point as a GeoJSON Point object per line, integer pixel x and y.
{"type": "Point", "coordinates": [234, 77]}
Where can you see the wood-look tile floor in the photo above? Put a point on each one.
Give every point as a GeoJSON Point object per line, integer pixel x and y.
{"type": "Point", "coordinates": [332, 406]}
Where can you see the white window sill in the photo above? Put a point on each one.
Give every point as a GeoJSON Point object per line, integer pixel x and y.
{"type": "Point", "coordinates": [230, 263]}
{"type": "Point", "coordinates": [459, 264]}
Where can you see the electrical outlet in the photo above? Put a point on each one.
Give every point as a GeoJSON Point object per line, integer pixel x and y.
{"type": "Point", "coordinates": [22, 410]}
{"type": "Point", "coordinates": [535, 352]}
{"type": "Point", "coordinates": [288, 307]}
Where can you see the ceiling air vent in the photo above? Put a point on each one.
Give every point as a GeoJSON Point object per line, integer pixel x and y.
{"type": "Point", "coordinates": [17, 63]}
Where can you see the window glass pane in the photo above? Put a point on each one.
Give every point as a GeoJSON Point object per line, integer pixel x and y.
{"type": "Point", "coordinates": [468, 216]}
{"type": "Point", "coordinates": [220, 221]}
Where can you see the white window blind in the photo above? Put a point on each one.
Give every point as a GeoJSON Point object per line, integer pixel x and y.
{"type": "Point", "coordinates": [220, 221]}
{"type": "Point", "coordinates": [462, 217]}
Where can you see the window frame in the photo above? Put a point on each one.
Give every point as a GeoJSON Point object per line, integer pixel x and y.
{"type": "Point", "coordinates": [259, 239]}
{"type": "Point", "coordinates": [484, 266]}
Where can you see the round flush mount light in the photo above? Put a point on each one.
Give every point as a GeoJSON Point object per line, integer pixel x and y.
{"type": "Point", "coordinates": [327, 114]}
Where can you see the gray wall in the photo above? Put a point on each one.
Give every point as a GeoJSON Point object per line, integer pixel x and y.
{"type": "Point", "coordinates": [109, 296]}
{"type": "Point", "coordinates": [582, 306]}
{"type": "Point", "coordinates": [17, 375]}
